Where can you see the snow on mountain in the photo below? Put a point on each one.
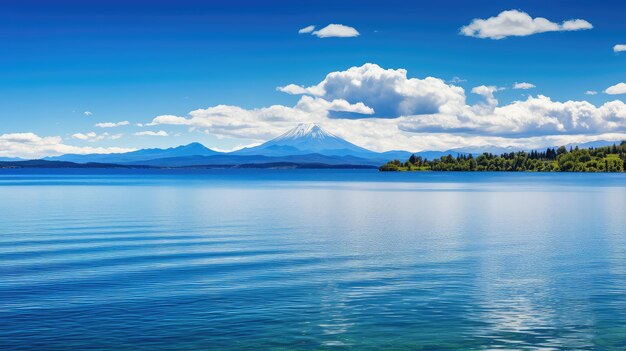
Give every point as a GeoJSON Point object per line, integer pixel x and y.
{"type": "Point", "coordinates": [305, 130]}
{"type": "Point", "coordinates": [307, 139]}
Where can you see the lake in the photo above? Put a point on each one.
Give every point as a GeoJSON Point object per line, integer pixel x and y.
{"type": "Point", "coordinates": [311, 260]}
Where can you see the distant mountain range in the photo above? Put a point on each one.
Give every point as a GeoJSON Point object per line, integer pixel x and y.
{"type": "Point", "coordinates": [9, 159]}
{"type": "Point", "coordinates": [305, 146]}
{"type": "Point", "coordinates": [193, 149]}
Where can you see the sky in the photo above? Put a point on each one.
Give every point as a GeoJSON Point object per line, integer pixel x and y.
{"type": "Point", "coordinates": [113, 76]}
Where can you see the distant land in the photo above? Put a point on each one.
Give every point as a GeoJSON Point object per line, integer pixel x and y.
{"type": "Point", "coordinates": [271, 165]}
{"type": "Point", "coordinates": [60, 164]}
{"type": "Point", "coordinates": [562, 159]}
{"type": "Point", "coordinates": [305, 146]}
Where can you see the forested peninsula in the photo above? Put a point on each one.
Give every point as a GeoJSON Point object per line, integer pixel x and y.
{"type": "Point", "coordinates": [601, 159]}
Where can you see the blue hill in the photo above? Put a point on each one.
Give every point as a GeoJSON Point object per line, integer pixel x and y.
{"type": "Point", "coordinates": [193, 149]}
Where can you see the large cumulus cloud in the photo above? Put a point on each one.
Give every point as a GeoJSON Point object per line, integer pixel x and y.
{"type": "Point", "coordinates": [261, 123]}
{"type": "Point", "coordinates": [389, 92]}
{"type": "Point", "coordinates": [535, 116]}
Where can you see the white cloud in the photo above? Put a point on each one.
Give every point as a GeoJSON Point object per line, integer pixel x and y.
{"type": "Point", "coordinates": [490, 102]}
{"type": "Point", "coordinates": [518, 23]}
{"type": "Point", "coordinates": [293, 89]}
{"type": "Point", "coordinates": [111, 124]}
{"type": "Point", "coordinates": [456, 80]}
{"type": "Point", "coordinates": [87, 113]}
{"type": "Point", "coordinates": [31, 145]}
{"type": "Point", "coordinates": [576, 24]}
{"type": "Point", "coordinates": [387, 91]}
{"type": "Point", "coordinates": [535, 116]}
{"type": "Point", "coordinates": [619, 48]}
{"type": "Point", "coordinates": [591, 92]}
{"type": "Point", "coordinates": [168, 119]}
{"type": "Point", "coordinates": [262, 123]}
{"type": "Point", "coordinates": [523, 85]}
{"type": "Point", "coordinates": [93, 136]}
{"type": "Point", "coordinates": [82, 136]}
{"type": "Point", "coordinates": [619, 88]}
{"type": "Point", "coordinates": [236, 122]}
{"type": "Point", "coordinates": [314, 104]}
{"type": "Point", "coordinates": [336, 31]}
{"type": "Point", "coordinates": [152, 133]}
{"type": "Point", "coordinates": [307, 29]}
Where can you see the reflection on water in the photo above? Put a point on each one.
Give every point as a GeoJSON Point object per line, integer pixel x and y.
{"type": "Point", "coordinates": [314, 260]}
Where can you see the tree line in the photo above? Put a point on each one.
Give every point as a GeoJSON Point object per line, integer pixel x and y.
{"type": "Point", "coordinates": [600, 159]}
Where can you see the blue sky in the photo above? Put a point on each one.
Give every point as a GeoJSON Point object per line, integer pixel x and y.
{"type": "Point", "coordinates": [136, 60]}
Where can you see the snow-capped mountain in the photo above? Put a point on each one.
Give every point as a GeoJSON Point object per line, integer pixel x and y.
{"type": "Point", "coordinates": [307, 139]}
{"type": "Point", "coordinates": [305, 130]}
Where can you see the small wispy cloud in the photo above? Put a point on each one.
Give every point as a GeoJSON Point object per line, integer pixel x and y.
{"type": "Point", "coordinates": [88, 113]}
{"type": "Point", "coordinates": [336, 31]}
{"type": "Point", "coordinates": [457, 80]}
{"type": "Point", "coordinates": [293, 89]}
{"type": "Point", "coordinates": [93, 136]}
{"type": "Point", "coordinates": [84, 136]}
{"type": "Point", "coordinates": [331, 31]}
{"type": "Point", "coordinates": [619, 48]}
{"type": "Point", "coordinates": [152, 133]}
{"type": "Point", "coordinates": [523, 85]}
{"type": "Point", "coordinates": [111, 124]}
{"type": "Point", "coordinates": [307, 29]}
{"type": "Point", "coordinates": [591, 92]}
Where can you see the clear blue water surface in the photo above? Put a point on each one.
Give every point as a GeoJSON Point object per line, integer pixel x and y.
{"type": "Point", "coordinates": [311, 260]}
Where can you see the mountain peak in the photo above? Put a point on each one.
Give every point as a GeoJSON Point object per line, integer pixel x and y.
{"type": "Point", "coordinates": [305, 130]}
{"type": "Point", "coordinates": [307, 138]}
{"type": "Point", "coordinates": [194, 145]}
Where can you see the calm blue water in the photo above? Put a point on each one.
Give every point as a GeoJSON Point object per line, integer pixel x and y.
{"type": "Point", "coordinates": [311, 260]}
